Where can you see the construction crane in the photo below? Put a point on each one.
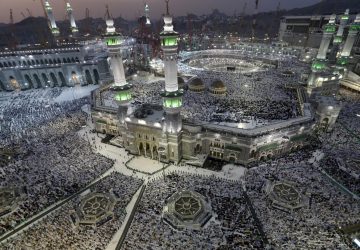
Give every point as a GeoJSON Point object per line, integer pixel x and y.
{"type": "Point", "coordinates": [190, 30]}
{"type": "Point", "coordinates": [253, 26]}
{"type": "Point", "coordinates": [11, 17]}
{"type": "Point", "coordinates": [12, 41]}
{"type": "Point", "coordinates": [242, 16]}
{"type": "Point", "coordinates": [29, 12]}
{"type": "Point", "coordinates": [275, 20]}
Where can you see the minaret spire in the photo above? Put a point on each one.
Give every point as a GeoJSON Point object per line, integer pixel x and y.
{"type": "Point", "coordinates": [167, 7]}
{"type": "Point", "coordinates": [73, 26]}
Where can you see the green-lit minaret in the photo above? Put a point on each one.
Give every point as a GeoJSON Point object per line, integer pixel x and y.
{"type": "Point", "coordinates": [121, 88]}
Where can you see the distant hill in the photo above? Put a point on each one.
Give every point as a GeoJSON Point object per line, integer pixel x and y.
{"type": "Point", "coordinates": [328, 7]}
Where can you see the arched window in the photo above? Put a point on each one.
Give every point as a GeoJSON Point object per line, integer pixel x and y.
{"type": "Point", "coordinates": [88, 77]}
{"type": "Point", "coordinates": [46, 61]}
{"type": "Point", "coordinates": [1, 65]}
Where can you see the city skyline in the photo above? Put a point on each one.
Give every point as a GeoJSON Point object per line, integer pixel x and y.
{"type": "Point", "coordinates": [134, 8]}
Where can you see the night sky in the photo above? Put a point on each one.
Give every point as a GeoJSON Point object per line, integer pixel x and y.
{"type": "Point", "coordinates": [131, 9]}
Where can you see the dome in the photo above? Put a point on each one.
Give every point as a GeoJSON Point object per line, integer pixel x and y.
{"type": "Point", "coordinates": [197, 85]}
{"type": "Point", "coordinates": [217, 87]}
{"type": "Point", "coordinates": [218, 84]}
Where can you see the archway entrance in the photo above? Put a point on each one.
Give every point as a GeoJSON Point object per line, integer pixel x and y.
{"type": "Point", "coordinates": [147, 150]}
{"type": "Point", "coordinates": [37, 80]}
{"type": "Point", "coordinates": [155, 153]}
{"type": "Point", "coordinates": [2, 86]}
{"type": "Point", "coordinates": [75, 79]}
{"type": "Point", "coordinates": [14, 83]}
{"type": "Point", "coordinates": [53, 79]}
{"type": "Point", "coordinates": [232, 158]}
{"type": "Point", "coordinates": [141, 149]}
{"type": "Point", "coordinates": [197, 149]}
{"type": "Point", "coordinates": [62, 79]}
{"type": "Point", "coordinates": [45, 79]}
{"type": "Point", "coordinates": [88, 77]}
{"type": "Point", "coordinates": [96, 76]}
{"type": "Point", "coordinates": [29, 82]}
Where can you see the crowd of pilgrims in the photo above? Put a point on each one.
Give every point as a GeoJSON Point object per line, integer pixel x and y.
{"type": "Point", "coordinates": [342, 144]}
{"type": "Point", "coordinates": [315, 226]}
{"type": "Point", "coordinates": [23, 112]}
{"type": "Point", "coordinates": [258, 96]}
{"type": "Point", "coordinates": [58, 230]}
{"type": "Point", "coordinates": [51, 162]}
{"type": "Point", "coordinates": [232, 225]}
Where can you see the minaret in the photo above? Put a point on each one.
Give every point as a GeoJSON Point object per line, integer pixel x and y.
{"type": "Point", "coordinates": [73, 27]}
{"type": "Point", "coordinates": [343, 22]}
{"type": "Point", "coordinates": [350, 40]}
{"type": "Point", "coordinates": [338, 38]}
{"type": "Point", "coordinates": [172, 97]}
{"type": "Point", "coordinates": [121, 88]}
{"type": "Point", "coordinates": [328, 31]}
{"type": "Point", "coordinates": [51, 19]}
{"type": "Point", "coordinates": [147, 15]}
{"type": "Point", "coordinates": [319, 63]}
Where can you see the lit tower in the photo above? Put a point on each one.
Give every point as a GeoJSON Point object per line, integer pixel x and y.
{"type": "Point", "coordinates": [319, 63]}
{"type": "Point", "coordinates": [69, 11]}
{"type": "Point", "coordinates": [350, 40]}
{"type": "Point", "coordinates": [51, 19]}
{"type": "Point", "coordinates": [343, 22]}
{"type": "Point", "coordinates": [328, 32]}
{"type": "Point", "coordinates": [172, 97]}
{"type": "Point", "coordinates": [121, 88]}
{"type": "Point", "coordinates": [338, 38]}
{"type": "Point", "coordinates": [147, 15]}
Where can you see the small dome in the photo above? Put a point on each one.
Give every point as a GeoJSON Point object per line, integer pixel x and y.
{"type": "Point", "coordinates": [197, 85]}
{"type": "Point", "coordinates": [217, 87]}
{"type": "Point", "coordinates": [218, 84]}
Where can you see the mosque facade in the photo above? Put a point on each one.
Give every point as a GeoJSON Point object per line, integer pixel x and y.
{"type": "Point", "coordinates": [159, 132]}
